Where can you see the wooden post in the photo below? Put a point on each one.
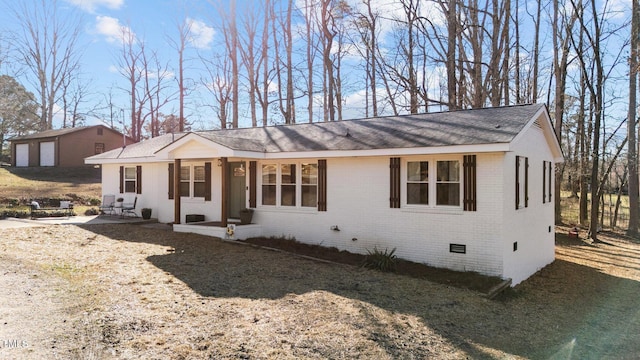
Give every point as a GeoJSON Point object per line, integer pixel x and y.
{"type": "Point", "coordinates": [176, 191]}
{"type": "Point", "coordinates": [225, 196]}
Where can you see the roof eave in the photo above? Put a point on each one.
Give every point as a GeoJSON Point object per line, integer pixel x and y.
{"type": "Point", "coordinates": [432, 150]}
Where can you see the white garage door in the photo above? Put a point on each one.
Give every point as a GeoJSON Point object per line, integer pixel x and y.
{"type": "Point", "coordinates": [22, 155]}
{"type": "Point", "coordinates": [47, 153]}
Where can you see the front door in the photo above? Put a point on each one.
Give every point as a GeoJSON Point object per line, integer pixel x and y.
{"type": "Point", "coordinates": [237, 188]}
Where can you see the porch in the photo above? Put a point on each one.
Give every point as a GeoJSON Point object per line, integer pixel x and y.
{"type": "Point", "coordinates": [231, 231]}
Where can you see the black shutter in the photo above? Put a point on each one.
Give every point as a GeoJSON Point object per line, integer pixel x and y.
{"type": "Point", "coordinates": [171, 181]}
{"type": "Point", "coordinates": [517, 181]}
{"type": "Point", "coordinates": [253, 177]}
{"type": "Point", "coordinates": [121, 179]}
{"type": "Point", "coordinates": [207, 181]}
{"type": "Point", "coordinates": [322, 185]}
{"type": "Point", "coordinates": [469, 178]}
{"type": "Point", "coordinates": [394, 180]}
{"type": "Point", "coordinates": [526, 182]}
{"type": "Point", "coordinates": [550, 177]}
{"type": "Point", "coordinates": [544, 181]}
{"type": "Point", "coordinates": [138, 179]}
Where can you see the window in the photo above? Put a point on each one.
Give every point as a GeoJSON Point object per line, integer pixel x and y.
{"type": "Point", "coordinates": [269, 184]}
{"type": "Point", "coordinates": [309, 185]}
{"type": "Point", "coordinates": [130, 179]}
{"type": "Point", "coordinates": [522, 182]}
{"type": "Point", "coordinates": [418, 182]}
{"type": "Point", "coordinates": [99, 148]}
{"type": "Point", "coordinates": [198, 181]}
{"type": "Point", "coordinates": [290, 184]}
{"type": "Point", "coordinates": [446, 187]}
{"type": "Point", "coordinates": [193, 181]}
{"type": "Point", "coordinates": [448, 183]}
{"type": "Point", "coordinates": [185, 179]}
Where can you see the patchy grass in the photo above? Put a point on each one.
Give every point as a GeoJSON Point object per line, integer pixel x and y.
{"type": "Point", "coordinates": [20, 185]}
{"type": "Point", "coordinates": [463, 280]}
{"type": "Point", "coordinates": [126, 291]}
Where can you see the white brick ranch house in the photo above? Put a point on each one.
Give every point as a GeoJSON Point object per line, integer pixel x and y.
{"type": "Point", "coordinates": [468, 190]}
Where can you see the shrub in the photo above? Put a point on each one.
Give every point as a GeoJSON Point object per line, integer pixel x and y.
{"type": "Point", "coordinates": [379, 260]}
{"type": "Point", "coordinates": [94, 201]}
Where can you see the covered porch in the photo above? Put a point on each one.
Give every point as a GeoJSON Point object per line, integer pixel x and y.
{"type": "Point", "coordinates": [209, 185]}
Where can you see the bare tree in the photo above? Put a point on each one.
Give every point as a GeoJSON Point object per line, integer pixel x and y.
{"type": "Point", "coordinates": [47, 43]}
{"type": "Point", "coordinates": [184, 32]}
{"type": "Point", "coordinates": [218, 82]}
{"type": "Point", "coordinates": [156, 92]}
{"type": "Point", "coordinates": [632, 152]}
{"type": "Point", "coordinates": [129, 65]}
{"type": "Point", "coordinates": [251, 58]}
{"type": "Point", "coordinates": [562, 26]}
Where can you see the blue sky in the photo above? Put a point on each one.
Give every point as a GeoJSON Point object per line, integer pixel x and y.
{"type": "Point", "coordinates": [155, 21]}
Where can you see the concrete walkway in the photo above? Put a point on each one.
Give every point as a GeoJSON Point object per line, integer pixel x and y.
{"type": "Point", "coordinates": [10, 223]}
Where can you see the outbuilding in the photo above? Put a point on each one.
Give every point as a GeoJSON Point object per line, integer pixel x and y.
{"type": "Point", "coordinates": [66, 147]}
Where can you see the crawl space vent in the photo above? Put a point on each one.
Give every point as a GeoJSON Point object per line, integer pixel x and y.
{"type": "Point", "coordinates": [458, 248]}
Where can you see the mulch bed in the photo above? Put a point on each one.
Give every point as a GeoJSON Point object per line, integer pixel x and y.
{"type": "Point", "coordinates": [465, 280]}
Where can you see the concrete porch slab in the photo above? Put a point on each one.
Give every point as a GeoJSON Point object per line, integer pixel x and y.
{"type": "Point", "coordinates": [241, 232]}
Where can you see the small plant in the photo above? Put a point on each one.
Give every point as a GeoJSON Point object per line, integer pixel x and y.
{"type": "Point", "coordinates": [379, 260]}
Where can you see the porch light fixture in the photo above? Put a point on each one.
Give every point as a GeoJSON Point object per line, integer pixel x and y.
{"type": "Point", "coordinates": [219, 162]}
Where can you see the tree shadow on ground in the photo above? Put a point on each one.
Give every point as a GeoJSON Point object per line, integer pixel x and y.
{"type": "Point", "coordinates": [565, 311]}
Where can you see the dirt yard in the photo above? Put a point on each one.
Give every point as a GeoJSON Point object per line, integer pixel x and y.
{"type": "Point", "coordinates": [127, 291]}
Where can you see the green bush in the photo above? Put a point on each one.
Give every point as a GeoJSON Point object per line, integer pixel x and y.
{"type": "Point", "coordinates": [379, 260]}
{"type": "Point", "coordinates": [14, 214]}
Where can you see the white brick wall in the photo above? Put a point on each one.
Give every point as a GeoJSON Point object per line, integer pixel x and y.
{"type": "Point", "coordinates": [529, 226]}
{"type": "Point", "coordinates": [358, 203]}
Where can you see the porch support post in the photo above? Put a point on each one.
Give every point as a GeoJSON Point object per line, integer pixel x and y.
{"type": "Point", "coordinates": [176, 191]}
{"type": "Point", "coordinates": [224, 211]}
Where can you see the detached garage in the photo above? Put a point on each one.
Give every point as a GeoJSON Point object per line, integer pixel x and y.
{"type": "Point", "coordinates": [64, 147]}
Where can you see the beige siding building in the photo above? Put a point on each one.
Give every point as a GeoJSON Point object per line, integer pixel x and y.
{"type": "Point", "coordinates": [64, 147]}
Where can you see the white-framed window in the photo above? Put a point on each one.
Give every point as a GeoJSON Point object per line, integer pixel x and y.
{"type": "Point", "coordinates": [448, 183]}
{"type": "Point", "coordinates": [289, 184]}
{"type": "Point", "coordinates": [130, 179]}
{"type": "Point", "coordinates": [309, 184]}
{"type": "Point", "coordinates": [418, 182]}
{"type": "Point", "coordinates": [192, 181]}
{"type": "Point", "coordinates": [421, 190]}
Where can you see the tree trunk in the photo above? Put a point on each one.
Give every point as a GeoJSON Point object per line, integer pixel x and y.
{"type": "Point", "coordinates": [632, 152]}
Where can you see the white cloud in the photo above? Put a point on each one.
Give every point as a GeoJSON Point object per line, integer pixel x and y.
{"type": "Point", "coordinates": [112, 30]}
{"type": "Point", "coordinates": [91, 5]}
{"type": "Point", "coordinates": [201, 35]}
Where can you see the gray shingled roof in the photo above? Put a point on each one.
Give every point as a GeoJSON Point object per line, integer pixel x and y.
{"type": "Point", "coordinates": [146, 148]}
{"type": "Point", "coordinates": [463, 127]}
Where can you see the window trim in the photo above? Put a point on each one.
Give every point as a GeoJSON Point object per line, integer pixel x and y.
{"type": "Point", "coordinates": [192, 181]}
{"type": "Point", "coordinates": [126, 179]}
{"type": "Point", "coordinates": [297, 183]}
{"type": "Point", "coordinates": [432, 183]}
